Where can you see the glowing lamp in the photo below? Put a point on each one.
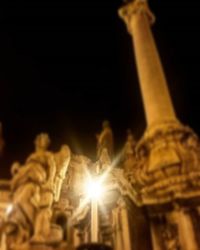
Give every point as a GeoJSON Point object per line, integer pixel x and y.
{"type": "Point", "coordinates": [94, 189]}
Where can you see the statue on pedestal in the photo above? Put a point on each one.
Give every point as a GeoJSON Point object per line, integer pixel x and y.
{"type": "Point", "coordinates": [45, 159]}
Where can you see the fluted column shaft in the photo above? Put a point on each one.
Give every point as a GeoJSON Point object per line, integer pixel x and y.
{"type": "Point", "coordinates": [156, 98]}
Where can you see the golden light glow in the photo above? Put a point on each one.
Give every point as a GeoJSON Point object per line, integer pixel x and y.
{"type": "Point", "coordinates": [9, 209]}
{"type": "Point", "coordinates": [89, 187]}
{"type": "Point", "coordinates": [94, 189]}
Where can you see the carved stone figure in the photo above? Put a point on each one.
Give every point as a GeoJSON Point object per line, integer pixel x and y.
{"type": "Point", "coordinates": [105, 139]}
{"type": "Point", "coordinates": [34, 187]}
{"type": "Point", "coordinates": [130, 144]}
{"type": "Point", "coordinates": [56, 167]}
{"type": "Point", "coordinates": [42, 226]}
{"type": "Point", "coordinates": [128, 153]}
{"type": "Point", "coordinates": [25, 188]}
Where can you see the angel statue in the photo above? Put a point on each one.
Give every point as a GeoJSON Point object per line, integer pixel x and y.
{"type": "Point", "coordinates": [35, 186]}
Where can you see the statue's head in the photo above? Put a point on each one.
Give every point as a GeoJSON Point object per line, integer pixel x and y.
{"type": "Point", "coordinates": [42, 141]}
{"type": "Point", "coordinates": [106, 124]}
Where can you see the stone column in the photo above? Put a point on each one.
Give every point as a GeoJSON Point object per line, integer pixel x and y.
{"type": "Point", "coordinates": [188, 240]}
{"type": "Point", "coordinates": [156, 98]}
{"type": "Point", "coordinates": [76, 238]}
{"type": "Point", "coordinates": [3, 242]}
{"type": "Point", "coordinates": [117, 235]}
{"type": "Point", "coordinates": [156, 239]}
{"type": "Point", "coordinates": [125, 227]}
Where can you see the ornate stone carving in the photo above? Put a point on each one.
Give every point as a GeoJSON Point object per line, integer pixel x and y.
{"type": "Point", "coordinates": [170, 237]}
{"type": "Point", "coordinates": [167, 164]}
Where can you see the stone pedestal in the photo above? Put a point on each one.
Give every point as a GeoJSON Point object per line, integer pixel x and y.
{"type": "Point", "coordinates": [125, 228]}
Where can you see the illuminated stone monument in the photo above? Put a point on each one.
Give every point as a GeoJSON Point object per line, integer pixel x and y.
{"type": "Point", "coordinates": [167, 175]}
{"type": "Point", "coordinates": [147, 198]}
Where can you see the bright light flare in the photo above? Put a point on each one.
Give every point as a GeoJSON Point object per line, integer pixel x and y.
{"type": "Point", "coordinates": [9, 209]}
{"type": "Point", "coordinates": [94, 189]}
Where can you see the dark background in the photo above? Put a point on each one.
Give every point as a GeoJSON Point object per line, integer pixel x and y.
{"type": "Point", "coordinates": [67, 65]}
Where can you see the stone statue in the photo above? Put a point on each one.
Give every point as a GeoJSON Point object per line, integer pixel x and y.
{"type": "Point", "coordinates": [128, 152]}
{"type": "Point", "coordinates": [35, 186]}
{"type": "Point", "coordinates": [45, 158]}
{"type": "Point", "coordinates": [129, 147]}
{"type": "Point", "coordinates": [25, 189]}
{"type": "Point", "coordinates": [31, 185]}
{"type": "Point", "coordinates": [105, 139]}
{"type": "Point", "coordinates": [56, 166]}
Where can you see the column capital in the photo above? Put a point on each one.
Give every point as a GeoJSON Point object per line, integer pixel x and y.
{"type": "Point", "coordinates": [135, 7]}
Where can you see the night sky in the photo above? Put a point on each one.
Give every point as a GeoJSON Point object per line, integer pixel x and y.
{"type": "Point", "coordinates": [68, 65]}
